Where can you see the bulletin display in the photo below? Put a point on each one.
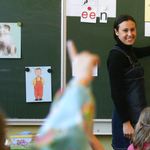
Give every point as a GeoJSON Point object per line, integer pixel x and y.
{"type": "Point", "coordinates": [39, 24]}
{"type": "Point", "coordinates": [97, 37]}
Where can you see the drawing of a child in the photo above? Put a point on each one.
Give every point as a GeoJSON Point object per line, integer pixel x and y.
{"type": "Point", "coordinates": [38, 83]}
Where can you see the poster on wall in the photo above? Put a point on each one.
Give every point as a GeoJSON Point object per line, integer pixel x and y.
{"type": "Point", "coordinates": [10, 40]}
{"type": "Point", "coordinates": [147, 18]}
{"type": "Point", "coordinates": [89, 10]}
{"type": "Point", "coordinates": [38, 84]}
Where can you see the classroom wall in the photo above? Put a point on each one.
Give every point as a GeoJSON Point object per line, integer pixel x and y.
{"type": "Point", "coordinates": [104, 139]}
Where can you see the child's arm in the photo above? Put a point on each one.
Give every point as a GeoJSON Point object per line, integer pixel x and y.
{"type": "Point", "coordinates": [43, 82]}
{"type": "Point", "coordinates": [95, 144]}
{"type": "Point", "coordinates": [33, 81]}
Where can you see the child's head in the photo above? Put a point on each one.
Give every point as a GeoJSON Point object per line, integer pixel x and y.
{"type": "Point", "coordinates": [2, 131]}
{"type": "Point", "coordinates": [142, 129]}
{"type": "Point", "coordinates": [38, 72]}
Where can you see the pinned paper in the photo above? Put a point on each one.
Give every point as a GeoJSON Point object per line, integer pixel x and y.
{"type": "Point", "coordinates": [95, 70]}
{"type": "Point", "coordinates": [38, 84]}
{"type": "Point", "coordinates": [147, 18]}
{"type": "Point", "coordinates": [103, 17]}
{"type": "Point", "coordinates": [147, 29]}
{"type": "Point", "coordinates": [88, 14]}
{"type": "Point", "coordinates": [147, 10]}
{"type": "Point", "coordinates": [10, 40]}
{"type": "Point", "coordinates": [89, 11]}
{"type": "Point", "coordinates": [75, 7]}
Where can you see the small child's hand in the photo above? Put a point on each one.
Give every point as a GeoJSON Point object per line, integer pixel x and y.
{"type": "Point", "coordinates": [84, 62]}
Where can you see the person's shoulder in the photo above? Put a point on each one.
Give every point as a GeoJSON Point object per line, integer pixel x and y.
{"type": "Point", "coordinates": [146, 145]}
{"type": "Point", "coordinates": [130, 147]}
{"type": "Point", "coordinates": [114, 52]}
{"type": "Point", "coordinates": [115, 55]}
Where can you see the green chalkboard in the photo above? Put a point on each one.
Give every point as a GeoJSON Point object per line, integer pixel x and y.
{"type": "Point", "coordinates": [98, 38]}
{"type": "Point", "coordinates": [40, 46]}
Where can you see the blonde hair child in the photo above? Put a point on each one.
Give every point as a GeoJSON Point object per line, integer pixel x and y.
{"type": "Point", "coordinates": [141, 139]}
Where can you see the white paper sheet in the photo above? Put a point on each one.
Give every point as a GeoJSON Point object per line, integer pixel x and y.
{"type": "Point", "coordinates": [147, 29]}
{"type": "Point", "coordinates": [95, 70]}
{"type": "Point", "coordinates": [74, 7]}
{"type": "Point", "coordinates": [30, 91]}
{"type": "Point", "coordinates": [147, 18]}
{"type": "Point", "coordinates": [88, 14]}
{"type": "Point", "coordinates": [103, 17]}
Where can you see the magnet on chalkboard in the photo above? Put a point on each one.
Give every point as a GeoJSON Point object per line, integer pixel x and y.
{"type": "Point", "coordinates": [49, 70]}
{"type": "Point", "coordinates": [19, 24]}
{"type": "Point", "coordinates": [27, 69]}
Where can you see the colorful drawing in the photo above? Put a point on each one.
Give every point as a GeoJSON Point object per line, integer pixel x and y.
{"type": "Point", "coordinates": [7, 46]}
{"type": "Point", "coordinates": [38, 83]}
{"type": "Point", "coordinates": [10, 40]}
{"type": "Point", "coordinates": [21, 142]}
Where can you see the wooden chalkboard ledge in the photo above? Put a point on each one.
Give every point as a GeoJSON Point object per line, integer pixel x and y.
{"type": "Point", "coordinates": [101, 126]}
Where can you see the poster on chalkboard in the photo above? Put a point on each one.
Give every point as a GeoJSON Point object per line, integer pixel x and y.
{"type": "Point", "coordinates": [38, 84]}
{"type": "Point", "coordinates": [147, 18]}
{"type": "Point", "coordinates": [75, 8]}
{"type": "Point", "coordinates": [10, 40]}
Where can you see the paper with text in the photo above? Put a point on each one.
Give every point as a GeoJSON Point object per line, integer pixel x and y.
{"type": "Point", "coordinates": [74, 7]}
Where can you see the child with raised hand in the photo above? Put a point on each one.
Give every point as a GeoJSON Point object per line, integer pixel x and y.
{"type": "Point", "coordinates": [141, 138]}
{"type": "Point", "coordinates": [69, 125]}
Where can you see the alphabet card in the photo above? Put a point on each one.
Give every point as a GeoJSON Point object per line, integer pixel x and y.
{"type": "Point", "coordinates": [38, 84]}
{"type": "Point", "coordinates": [88, 10]}
{"type": "Point", "coordinates": [88, 14]}
{"type": "Point", "coordinates": [103, 15]}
